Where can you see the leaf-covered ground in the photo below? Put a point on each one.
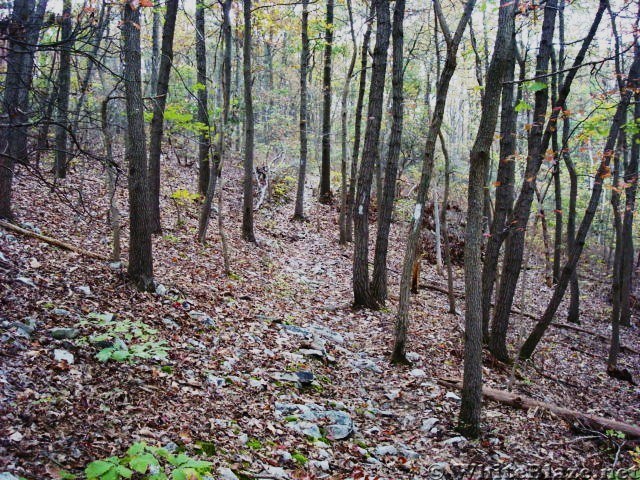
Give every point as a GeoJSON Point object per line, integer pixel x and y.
{"type": "Point", "coordinates": [233, 348]}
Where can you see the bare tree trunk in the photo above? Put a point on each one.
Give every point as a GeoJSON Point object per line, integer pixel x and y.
{"type": "Point", "coordinates": [438, 242]}
{"type": "Point", "coordinates": [379, 280]}
{"type": "Point", "coordinates": [344, 124]}
{"type": "Point", "coordinates": [325, 174]}
{"type": "Point", "coordinates": [249, 128]}
{"type": "Point", "coordinates": [157, 122]}
{"type": "Point", "coordinates": [505, 180]}
{"type": "Point", "coordinates": [538, 141]}
{"type": "Point", "coordinates": [140, 267]}
{"type": "Point", "coordinates": [536, 335]}
{"type": "Point", "coordinates": [112, 182]}
{"type": "Point", "coordinates": [64, 84]}
{"type": "Point", "coordinates": [548, 267]}
{"type": "Point", "coordinates": [25, 22]}
{"type": "Point", "coordinates": [358, 124]}
{"type": "Point", "coordinates": [204, 140]}
{"type": "Point", "coordinates": [469, 421]}
{"type": "Point", "coordinates": [453, 42]}
{"type": "Point", "coordinates": [155, 51]}
{"type": "Point", "coordinates": [361, 287]}
{"type": "Point", "coordinates": [304, 116]}
{"type": "Point", "coordinates": [216, 166]}
{"type": "Point", "coordinates": [445, 227]}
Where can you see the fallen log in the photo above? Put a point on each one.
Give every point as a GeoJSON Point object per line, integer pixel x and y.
{"type": "Point", "coordinates": [567, 326]}
{"type": "Point", "coordinates": [576, 419]}
{"type": "Point", "coordinates": [52, 241]}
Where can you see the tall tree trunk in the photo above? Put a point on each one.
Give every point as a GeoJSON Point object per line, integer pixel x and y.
{"type": "Point", "coordinates": [325, 174]}
{"type": "Point", "coordinates": [445, 226]}
{"type": "Point", "coordinates": [361, 287]}
{"type": "Point", "coordinates": [379, 280]}
{"type": "Point", "coordinates": [304, 116]}
{"type": "Point", "coordinates": [249, 128]}
{"type": "Point", "coordinates": [204, 141]}
{"type": "Point", "coordinates": [470, 409]}
{"type": "Point", "coordinates": [157, 122]}
{"type": "Point", "coordinates": [633, 81]}
{"type": "Point", "coordinates": [364, 56]}
{"type": "Point", "coordinates": [24, 23]}
{"type": "Point", "coordinates": [538, 141]}
{"type": "Point", "coordinates": [631, 183]}
{"type": "Point", "coordinates": [215, 170]}
{"type": "Point", "coordinates": [557, 183]}
{"type": "Point", "coordinates": [573, 314]}
{"type": "Point", "coordinates": [64, 84]}
{"type": "Point", "coordinates": [103, 23]}
{"type": "Point", "coordinates": [155, 50]}
{"type": "Point", "coordinates": [140, 267]}
{"type": "Point", "coordinates": [505, 180]}
{"type": "Point", "coordinates": [453, 42]}
{"type": "Point", "coordinates": [343, 137]}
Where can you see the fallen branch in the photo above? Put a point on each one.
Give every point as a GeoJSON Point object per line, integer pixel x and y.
{"type": "Point", "coordinates": [573, 417]}
{"type": "Point", "coordinates": [567, 326]}
{"type": "Point", "coordinates": [52, 241]}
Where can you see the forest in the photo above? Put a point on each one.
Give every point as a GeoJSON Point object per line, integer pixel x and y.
{"type": "Point", "coordinates": [319, 239]}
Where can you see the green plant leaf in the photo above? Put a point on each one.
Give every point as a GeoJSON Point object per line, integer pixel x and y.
{"type": "Point", "coordinates": [124, 471]}
{"type": "Point", "coordinates": [105, 354]}
{"type": "Point", "coordinates": [136, 449]}
{"type": "Point", "coordinates": [535, 86]}
{"type": "Point", "coordinates": [141, 463]}
{"type": "Point", "coordinates": [97, 469]}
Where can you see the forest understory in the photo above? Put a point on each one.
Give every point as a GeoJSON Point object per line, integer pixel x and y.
{"type": "Point", "coordinates": [225, 391]}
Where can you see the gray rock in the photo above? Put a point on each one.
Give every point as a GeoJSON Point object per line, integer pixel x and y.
{"type": "Point", "coordinates": [171, 447]}
{"type": "Point", "coordinates": [202, 317]}
{"type": "Point", "coordinates": [407, 452]}
{"type": "Point", "coordinates": [115, 265]}
{"type": "Point", "coordinates": [308, 429]}
{"type": "Point", "coordinates": [413, 357]}
{"type": "Point", "coordinates": [8, 476]}
{"type": "Point", "coordinates": [452, 396]}
{"type": "Point", "coordinates": [382, 450]}
{"type": "Point", "coordinates": [10, 238]}
{"type": "Point", "coordinates": [272, 472]}
{"type": "Point", "coordinates": [84, 289]}
{"type": "Point", "coordinates": [32, 227]}
{"type": "Point", "coordinates": [25, 329]}
{"type": "Point", "coordinates": [428, 424]}
{"type": "Point", "coordinates": [26, 281]}
{"type": "Point", "coordinates": [218, 382]}
{"type": "Point", "coordinates": [226, 473]}
{"type": "Point", "coordinates": [454, 440]}
{"type": "Point", "coordinates": [170, 323]}
{"type": "Point", "coordinates": [320, 465]}
{"type": "Point", "coordinates": [338, 432]}
{"type": "Point", "coordinates": [161, 290]}
{"type": "Point", "coordinates": [304, 377]}
{"type": "Point", "coordinates": [366, 364]}
{"type": "Point", "coordinates": [327, 333]}
{"type": "Point", "coordinates": [295, 330]}
{"type": "Point", "coordinates": [60, 355]}
{"type": "Point", "coordinates": [61, 312]}
{"type": "Point", "coordinates": [417, 372]}
{"type": "Point", "coordinates": [62, 333]}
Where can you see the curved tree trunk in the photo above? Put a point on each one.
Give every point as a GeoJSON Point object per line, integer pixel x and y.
{"type": "Point", "coordinates": [453, 42]}
{"type": "Point", "coordinates": [633, 80]}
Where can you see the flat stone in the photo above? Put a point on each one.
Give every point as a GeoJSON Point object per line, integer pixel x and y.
{"type": "Point", "coordinates": [218, 382]}
{"type": "Point", "coordinates": [454, 440]}
{"type": "Point", "coordinates": [296, 330]}
{"type": "Point", "coordinates": [338, 432]}
{"type": "Point", "coordinates": [8, 476]}
{"type": "Point", "coordinates": [428, 424]}
{"type": "Point", "coordinates": [84, 289]}
{"type": "Point", "coordinates": [327, 333]}
{"type": "Point", "coordinates": [63, 333]}
{"type": "Point", "coordinates": [162, 291]}
{"type": "Point", "coordinates": [305, 378]}
{"type": "Point", "coordinates": [26, 281]}
{"type": "Point", "coordinates": [226, 473]}
{"type": "Point", "coordinates": [203, 317]}
{"type": "Point", "coordinates": [60, 355]}
{"type": "Point", "coordinates": [309, 429]}
{"type": "Point", "coordinates": [382, 450]}
{"type": "Point", "coordinates": [61, 312]}
{"type": "Point", "coordinates": [417, 372]}
{"type": "Point", "coordinates": [452, 396]}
